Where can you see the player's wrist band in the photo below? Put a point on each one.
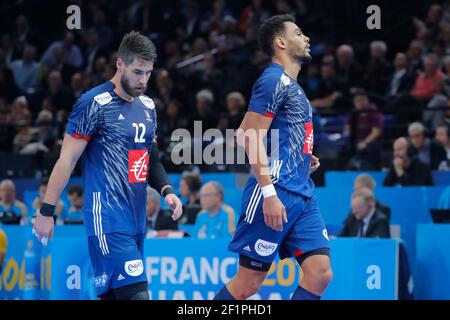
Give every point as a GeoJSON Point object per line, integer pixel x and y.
{"type": "Point", "coordinates": [268, 191]}
{"type": "Point", "coordinates": [47, 210]}
{"type": "Point", "coordinates": [166, 191]}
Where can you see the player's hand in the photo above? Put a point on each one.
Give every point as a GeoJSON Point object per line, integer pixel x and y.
{"type": "Point", "coordinates": [43, 228]}
{"type": "Point", "coordinates": [175, 204]}
{"type": "Point", "coordinates": [315, 163]}
{"type": "Point", "coordinates": [274, 213]}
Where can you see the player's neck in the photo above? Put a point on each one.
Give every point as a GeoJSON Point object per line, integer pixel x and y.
{"type": "Point", "coordinates": [118, 89]}
{"type": "Point", "coordinates": [291, 67]}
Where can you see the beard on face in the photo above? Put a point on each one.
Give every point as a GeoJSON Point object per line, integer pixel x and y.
{"type": "Point", "coordinates": [127, 87]}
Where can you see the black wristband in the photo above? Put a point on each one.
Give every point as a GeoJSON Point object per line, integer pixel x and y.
{"type": "Point", "coordinates": [47, 210]}
{"type": "Point", "coordinates": [166, 191]}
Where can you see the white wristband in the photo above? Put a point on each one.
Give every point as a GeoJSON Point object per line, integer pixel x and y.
{"type": "Point", "coordinates": [268, 191]}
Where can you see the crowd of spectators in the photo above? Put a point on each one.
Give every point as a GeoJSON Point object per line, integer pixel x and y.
{"type": "Point", "coordinates": [208, 60]}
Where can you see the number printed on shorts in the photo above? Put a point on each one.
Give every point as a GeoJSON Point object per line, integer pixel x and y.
{"type": "Point", "coordinates": [139, 136]}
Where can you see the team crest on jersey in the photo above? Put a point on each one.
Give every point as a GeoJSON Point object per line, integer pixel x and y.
{"type": "Point", "coordinates": [137, 165]}
{"type": "Point", "coordinates": [309, 138]}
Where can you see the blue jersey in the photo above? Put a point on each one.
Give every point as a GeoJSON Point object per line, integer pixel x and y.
{"type": "Point", "coordinates": [280, 97]}
{"type": "Point", "coordinates": [115, 160]}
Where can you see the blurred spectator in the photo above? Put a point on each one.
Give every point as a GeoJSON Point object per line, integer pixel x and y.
{"type": "Point", "coordinates": [428, 151]}
{"type": "Point", "coordinates": [12, 211]}
{"type": "Point", "coordinates": [406, 169]}
{"type": "Point", "coordinates": [442, 136]}
{"type": "Point", "coordinates": [75, 212]}
{"type": "Point", "coordinates": [366, 221]}
{"type": "Point", "coordinates": [37, 202]}
{"type": "Point", "coordinates": [365, 180]}
{"type": "Point", "coordinates": [8, 88]}
{"type": "Point", "coordinates": [190, 184]}
{"type": "Point", "coordinates": [235, 112]}
{"type": "Point", "coordinates": [414, 53]}
{"type": "Point", "coordinates": [204, 110]}
{"type": "Point", "coordinates": [158, 219]}
{"type": "Point", "coordinates": [426, 84]}
{"type": "Point", "coordinates": [329, 90]}
{"type": "Point", "coordinates": [402, 79]}
{"type": "Point", "coordinates": [365, 125]}
{"type": "Point", "coordinates": [378, 69]}
{"type": "Point", "coordinates": [76, 85]}
{"type": "Point", "coordinates": [61, 96]}
{"type": "Point", "coordinates": [171, 120]}
{"type": "Point", "coordinates": [7, 130]}
{"type": "Point", "coordinates": [3, 248]}
{"type": "Point", "coordinates": [101, 28]}
{"type": "Point", "coordinates": [191, 20]}
{"type": "Point", "coordinates": [348, 71]}
{"type": "Point", "coordinates": [213, 222]}
{"type": "Point", "coordinates": [70, 52]}
{"type": "Point", "coordinates": [27, 71]}
{"type": "Point", "coordinates": [24, 135]}
{"type": "Point", "coordinates": [253, 15]}
{"type": "Point", "coordinates": [92, 50]}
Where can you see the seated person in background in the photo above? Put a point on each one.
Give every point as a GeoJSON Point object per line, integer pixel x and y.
{"type": "Point", "coordinates": [427, 151]}
{"type": "Point", "coordinates": [365, 221]}
{"type": "Point", "coordinates": [3, 247]}
{"type": "Point", "coordinates": [37, 202]}
{"type": "Point", "coordinates": [190, 184]}
{"type": "Point", "coordinates": [74, 214]}
{"type": "Point", "coordinates": [442, 136]}
{"type": "Point", "coordinates": [365, 180]}
{"type": "Point", "coordinates": [367, 130]}
{"type": "Point", "coordinates": [12, 211]}
{"type": "Point", "coordinates": [158, 219]}
{"type": "Point", "coordinates": [189, 187]}
{"type": "Point", "coordinates": [406, 170]}
{"type": "Point", "coordinates": [213, 221]}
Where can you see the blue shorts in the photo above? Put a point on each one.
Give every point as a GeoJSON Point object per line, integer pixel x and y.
{"type": "Point", "coordinates": [304, 232]}
{"type": "Point", "coordinates": [117, 260]}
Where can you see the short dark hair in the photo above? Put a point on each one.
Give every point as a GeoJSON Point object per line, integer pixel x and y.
{"type": "Point", "coordinates": [271, 28]}
{"type": "Point", "coordinates": [359, 92]}
{"type": "Point", "coordinates": [193, 181]}
{"type": "Point", "coordinates": [75, 189]}
{"type": "Point", "coordinates": [136, 45]}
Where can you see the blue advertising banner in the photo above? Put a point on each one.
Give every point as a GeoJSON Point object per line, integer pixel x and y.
{"type": "Point", "coordinates": [433, 261]}
{"type": "Point", "coordinates": [185, 269]}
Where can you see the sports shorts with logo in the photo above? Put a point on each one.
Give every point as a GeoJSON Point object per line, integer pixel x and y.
{"type": "Point", "coordinates": [117, 260]}
{"type": "Point", "coordinates": [304, 232]}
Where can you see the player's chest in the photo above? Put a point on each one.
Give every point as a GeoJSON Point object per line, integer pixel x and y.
{"type": "Point", "coordinates": [297, 107]}
{"type": "Point", "coordinates": [135, 124]}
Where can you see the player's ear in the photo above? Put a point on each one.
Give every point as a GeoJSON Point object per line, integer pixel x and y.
{"type": "Point", "coordinates": [280, 43]}
{"type": "Point", "coordinates": [119, 63]}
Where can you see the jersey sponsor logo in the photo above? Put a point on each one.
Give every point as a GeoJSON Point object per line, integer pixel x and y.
{"type": "Point", "coordinates": [147, 102]}
{"type": "Point", "coordinates": [137, 165]}
{"type": "Point", "coordinates": [309, 138]}
{"type": "Point", "coordinates": [147, 116]}
{"type": "Point", "coordinates": [134, 268]}
{"type": "Point", "coordinates": [103, 98]}
{"type": "Point", "coordinates": [265, 248]}
{"type": "Point", "coordinates": [100, 281]}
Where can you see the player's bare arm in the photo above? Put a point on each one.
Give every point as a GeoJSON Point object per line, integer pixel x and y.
{"type": "Point", "coordinates": [251, 136]}
{"type": "Point", "coordinates": [71, 150]}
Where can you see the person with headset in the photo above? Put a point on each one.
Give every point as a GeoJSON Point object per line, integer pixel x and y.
{"type": "Point", "coordinates": [406, 168]}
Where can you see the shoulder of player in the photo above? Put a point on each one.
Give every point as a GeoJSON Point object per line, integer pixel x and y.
{"type": "Point", "coordinates": [100, 94]}
{"type": "Point", "coordinates": [147, 101]}
{"type": "Point", "coordinates": [272, 78]}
